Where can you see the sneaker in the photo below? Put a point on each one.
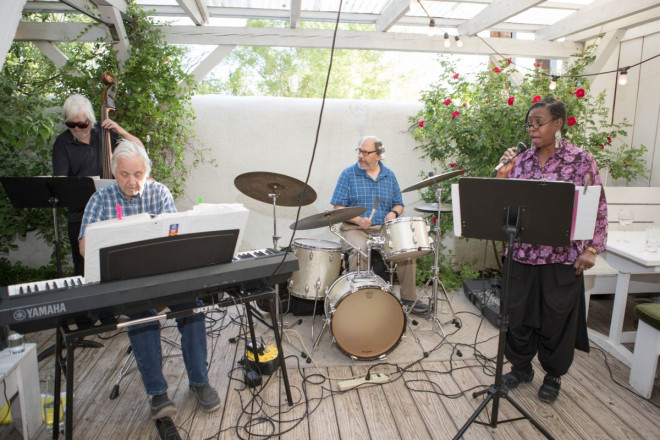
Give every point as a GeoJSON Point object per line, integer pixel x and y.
{"type": "Point", "coordinates": [207, 397]}
{"type": "Point", "coordinates": [416, 308]}
{"type": "Point", "coordinates": [516, 377]}
{"type": "Point", "coordinates": [162, 406]}
{"type": "Point", "coordinates": [549, 391]}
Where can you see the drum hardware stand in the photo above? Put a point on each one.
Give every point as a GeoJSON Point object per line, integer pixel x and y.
{"type": "Point", "coordinates": [274, 196]}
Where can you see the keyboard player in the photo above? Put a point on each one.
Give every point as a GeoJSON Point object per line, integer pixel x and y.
{"type": "Point", "coordinates": [132, 193]}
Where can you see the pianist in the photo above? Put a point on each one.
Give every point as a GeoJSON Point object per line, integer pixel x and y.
{"type": "Point", "coordinates": [135, 194]}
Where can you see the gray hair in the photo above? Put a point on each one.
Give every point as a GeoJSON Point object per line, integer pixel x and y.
{"type": "Point", "coordinates": [76, 105]}
{"type": "Point", "coordinates": [377, 144]}
{"type": "Point", "coordinates": [128, 150]}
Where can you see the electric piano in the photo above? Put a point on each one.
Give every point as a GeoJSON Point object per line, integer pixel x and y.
{"type": "Point", "coordinates": [57, 303]}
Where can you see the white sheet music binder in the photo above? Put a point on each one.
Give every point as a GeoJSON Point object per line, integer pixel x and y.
{"type": "Point", "coordinates": [585, 210]}
{"type": "Point", "coordinates": [202, 218]}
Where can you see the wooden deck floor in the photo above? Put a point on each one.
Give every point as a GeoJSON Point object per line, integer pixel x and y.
{"type": "Point", "coordinates": [427, 399]}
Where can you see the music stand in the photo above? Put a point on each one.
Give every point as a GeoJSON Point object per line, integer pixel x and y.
{"type": "Point", "coordinates": [49, 192]}
{"type": "Point", "coordinates": [512, 210]}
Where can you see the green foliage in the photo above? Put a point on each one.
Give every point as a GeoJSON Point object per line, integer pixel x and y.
{"type": "Point", "coordinates": [152, 102]}
{"type": "Point", "coordinates": [302, 72]}
{"type": "Point", "coordinates": [469, 121]}
{"type": "Point", "coordinates": [17, 273]}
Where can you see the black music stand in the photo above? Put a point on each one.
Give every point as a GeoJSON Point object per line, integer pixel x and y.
{"type": "Point", "coordinates": [511, 210]}
{"type": "Point", "coordinates": [49, 192]}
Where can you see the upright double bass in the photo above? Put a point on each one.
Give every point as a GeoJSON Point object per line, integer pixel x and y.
{"type": "Point", "coordinates": [107, 106]}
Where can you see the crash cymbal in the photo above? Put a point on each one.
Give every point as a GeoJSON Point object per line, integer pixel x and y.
{"type": "Point", "coordinates": [262, 185]}
{"type": "Point", "coordinates": [434, 179]}
{"type": "Point", "coordinates": [433, 207]}
{"type": "Point", "coordinates": [328, 218]}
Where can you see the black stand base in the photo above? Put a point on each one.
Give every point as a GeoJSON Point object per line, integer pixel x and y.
{"type": "Point", "coordinates": [167, 429]}
{"type": "Point", "coordinates": [495, 393]}
{"type": "Point", "coordinates": [81, 343]}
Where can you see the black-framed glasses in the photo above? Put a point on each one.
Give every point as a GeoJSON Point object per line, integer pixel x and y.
{"type": "Point", "coordinates": [364, 153]}
{"type": "Point", "coordinates": [81, 125]}
{"type": "Point", "coordinates": [537, 124]}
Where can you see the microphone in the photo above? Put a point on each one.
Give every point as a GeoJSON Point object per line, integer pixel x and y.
{"type": "Point", "coordinates": [520, 148]}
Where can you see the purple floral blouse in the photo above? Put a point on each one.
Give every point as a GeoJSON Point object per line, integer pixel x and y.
{"type": "Point", "coordinates": [568, 164]}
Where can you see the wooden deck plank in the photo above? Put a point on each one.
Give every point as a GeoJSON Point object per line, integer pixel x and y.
{"type": "Point", "coordinates": [322, 422]}
{"type": "Point", "coordinates": [350, 415]}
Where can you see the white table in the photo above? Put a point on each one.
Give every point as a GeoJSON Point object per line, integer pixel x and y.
{"type": "Point", "coordinates": [20, 375]}
{"type": "Point", "coordinates": [627, 254]}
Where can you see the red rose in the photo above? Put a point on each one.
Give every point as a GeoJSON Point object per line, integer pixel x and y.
{"type": "Point", "coordinates": [609, 139]}
{"type": "Point", "coordinates": [421, 123]}
{"type": "Point", "coordinates": [497, 70]}
{"type": "Point", "coordinates": [510, 60]}
{"type": "Point", "coordinates": [460, 169]}
{"type": "Point", "coordinates": [435, 219]}
{"type": "Point", "coordinates": [452, 165]}
{"type": "Point", "coordinates": [579, 93]}
{"type": "Point", "coordinates": [464, 104]}
{"type": "Point", "coordinates": [455, 75]}
{"type": "Point", "coordinates": [537, 64]}
{"type": "Point", "coordinates": [511, 99]}
{"type": "Point", "coordinates": [536, 99]}
{"type": "Point", "coordinates": [456, 113]}
{"type": "Point", "coordinates": [571, 121]}
{"type": "Point", "coordinates": [602, 146]}
{"type": "Point", "coordinates": [447, 101]}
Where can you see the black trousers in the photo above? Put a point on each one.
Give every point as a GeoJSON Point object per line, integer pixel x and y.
{"type": "Point", "coordinates": [78, 260]}
{"type": "Point", "coordinates": [547, 317]}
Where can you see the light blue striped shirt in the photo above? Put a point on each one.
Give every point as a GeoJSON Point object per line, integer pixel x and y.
{"type": "Point", "coordinates": [154, 199]}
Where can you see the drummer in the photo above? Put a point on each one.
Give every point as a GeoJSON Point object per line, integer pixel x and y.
{"type": "Point", "coordinates": [368, 183]}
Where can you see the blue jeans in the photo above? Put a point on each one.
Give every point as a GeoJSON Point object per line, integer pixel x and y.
{"type": "Point", "coordinates": [145, 340]}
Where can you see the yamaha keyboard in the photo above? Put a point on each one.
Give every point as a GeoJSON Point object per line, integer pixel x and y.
{"type": "Point", "coordinates": [53, 307]}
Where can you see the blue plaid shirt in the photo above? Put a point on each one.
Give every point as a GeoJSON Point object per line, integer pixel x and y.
{"type": "Point", "coordinates": [356, 188]}
{"type": "Point", "coordinates": [154, 199]}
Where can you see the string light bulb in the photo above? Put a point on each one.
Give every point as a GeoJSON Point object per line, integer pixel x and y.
{"type": "Point", "coordinates": [459, 42]}
{"type": "Point", "coordinates": [431, 27]}
{"type": "Point", "coordinates": [553, 83]}
{"type": "Point", "coordinates": [447, 41]}
{"type": "Point", "coordinates": [623, 76]}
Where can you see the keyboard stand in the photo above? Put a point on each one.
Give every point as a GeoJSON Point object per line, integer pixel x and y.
{"type": "Point", "coordinates": [68, 339]}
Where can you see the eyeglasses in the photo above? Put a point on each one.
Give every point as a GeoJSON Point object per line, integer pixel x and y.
{"type": "Point", "coordinates": [72, 124]}
{"type": "Point", "coordinates": [537, 124]}
{"type": "Point", "coordinates": [364, 153]}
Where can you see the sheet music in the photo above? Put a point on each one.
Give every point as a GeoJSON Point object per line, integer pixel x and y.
{"type": "Point", "coordinates": [585, 211]}
{"type": "Point", "coordinates": [209, 217]}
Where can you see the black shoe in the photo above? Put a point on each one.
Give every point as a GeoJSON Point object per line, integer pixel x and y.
{"type": "Point", "coordinates": [207, 397]}
{"type": "Point", "coordinates": [549, 391]}
{"type": "Point", "coordinates": [162, 406]}
{"type": "Point", "coordinates": [516, 377]}
{"type": "Point", "coordinates": [416, 308]}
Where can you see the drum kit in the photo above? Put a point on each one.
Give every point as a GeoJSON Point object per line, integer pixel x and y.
{"type": "Point", "coordinates": [365, 315]}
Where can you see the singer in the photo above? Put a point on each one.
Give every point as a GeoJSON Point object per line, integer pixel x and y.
{"type": "Point", "coordinates": [547, 310]}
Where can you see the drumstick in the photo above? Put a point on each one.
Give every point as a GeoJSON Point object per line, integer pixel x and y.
{"type": "Point", "coordinates": [373, 211]}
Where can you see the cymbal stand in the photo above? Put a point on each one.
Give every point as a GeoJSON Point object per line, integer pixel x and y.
{"type": "Point", "coordinates": [274, 195]}
{"type": "Point", "coordinates": [433, 305]}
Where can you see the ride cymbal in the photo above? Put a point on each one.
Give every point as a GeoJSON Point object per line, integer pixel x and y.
{"type": "Point", "coordinates": [328, 218]}
{"type": "Point", "coordinates": [434, 179]}
{"type": "Point", "coordinates": [265, 186]}
{"type": "Point", "coordinates": [433, 207]}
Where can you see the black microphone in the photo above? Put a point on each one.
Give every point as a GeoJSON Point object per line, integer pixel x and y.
{"type": "Point", "coordinates": [521, 147]}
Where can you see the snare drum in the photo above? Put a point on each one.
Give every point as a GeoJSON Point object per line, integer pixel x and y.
{"type": "Point", "coordinates": [366, 317]}
{"type": "Point", "coordinates": [405, 237]}
{"type": "Point", "coordinates": [319, 264]}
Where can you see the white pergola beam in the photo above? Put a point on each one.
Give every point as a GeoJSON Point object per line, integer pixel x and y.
{"type": "Point", "coordinates": [496, 12]}
{"type": "Point", "coordinates": [195, 10]}
{"type": "Point", "coordinates": [392, 14]}
{"type": "Point", "coordinates": [211, 60]}
{"type": "Point", "coordinates": [313, 38]}
{"type": "Point", "coordinates": [606, 46]}
{"type": "Point", "coordinates": [595, 14]}
{"type": "Point", "coordinates": [53, 53]}
{"type": "Point", "coordinates": [10, 17]}
{"type": "Point", "coordinates": [630, 23]}
{"type": "Point", "coordinates": [113, 15]}
{"type": "Point", "coordinates": [294, 16]}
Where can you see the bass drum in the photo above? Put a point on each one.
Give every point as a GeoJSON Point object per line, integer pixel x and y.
{"type": "Point", "coordinates": [366, 317]}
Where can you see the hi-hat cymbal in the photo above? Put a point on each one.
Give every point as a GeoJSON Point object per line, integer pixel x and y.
{"type": "Point", "coordinates": [328, 218]}
{"type": "Point", "coordinates": [433, 207]}
{"type": "Point", "coordinates": [264, 186]}
{"type": "Point", "coordinates": [434, 179]}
